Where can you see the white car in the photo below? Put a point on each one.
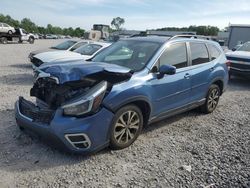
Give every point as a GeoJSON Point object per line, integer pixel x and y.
{"type": "Point", "coordinates": [5, 28]}
{"type": "Point", "coordinates": [85, 52]}
{"type": "Point", "coordinates": [239, 60]}
{"type": "Point", "coordinates": [68, 45]}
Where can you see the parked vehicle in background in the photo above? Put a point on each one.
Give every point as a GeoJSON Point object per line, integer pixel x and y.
{"type": "Point", "coordinates": [20, 35]}
{"type": "Point", "coordinates": [50, 36]}
{"type": "Point", "coordinates": [5, 28]}
{"type": "Point", "coordinates": [239, 60]}
{"type": "Point", "coordinates": [68, 45]}
{"type": "Point", "coordinates": [134, 82]}
{"type": "Point", "coordinates": [85, 52]}
{"type": "Point", "coordinates": [36, 36]}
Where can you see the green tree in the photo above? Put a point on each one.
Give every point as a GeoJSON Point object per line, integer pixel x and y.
{"type": "Point", "coordinates": [117, 23]}
{"type": "Point", "coordinates": [28, 25]}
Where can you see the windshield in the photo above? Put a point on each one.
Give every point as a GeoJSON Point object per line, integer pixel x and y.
{"type": "Point", "coordinates": [88, 49]}
{"type": "Point", "coordinates": [244, 47]}
{"type": "Point", "coordinates": [65, 45]}
{"type": "Point", "coordinates": [128, 53]}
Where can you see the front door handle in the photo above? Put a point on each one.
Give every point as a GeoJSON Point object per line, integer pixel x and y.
{"type": "Point", "coordinates": [187, 76]}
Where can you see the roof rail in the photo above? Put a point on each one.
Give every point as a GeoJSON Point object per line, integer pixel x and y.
{"type": "Point", "coordinates": [190, 36]}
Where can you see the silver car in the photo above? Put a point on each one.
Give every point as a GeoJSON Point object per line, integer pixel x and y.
{"type": "Point", "coordinates": [5, 28]}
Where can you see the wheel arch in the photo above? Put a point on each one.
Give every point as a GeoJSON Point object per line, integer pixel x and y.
{"type": "Point", "coordinates": [220, 84]}
{"type": "Point", "coordinates": [141, 102]}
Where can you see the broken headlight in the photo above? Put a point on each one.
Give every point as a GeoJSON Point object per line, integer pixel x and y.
{"type": "Point", "coordinates": [89, 102]}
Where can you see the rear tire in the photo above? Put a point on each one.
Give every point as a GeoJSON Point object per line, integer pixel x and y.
{"type": "Point", "coordinates": [212, 99]}
{"type": "Point", "coordinates": [126, 127]}
{"type": "Point", "coordinates": [4, 40]}
{"type": "Point", "coordinates": [31, 40]}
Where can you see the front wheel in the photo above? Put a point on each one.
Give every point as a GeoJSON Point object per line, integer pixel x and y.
{"type": "Point", "coordinates": [212, 99]}
{"type": "Point", "coordinates": [126, 127]}
{"type": "Point", "coordinates": [10, 32]}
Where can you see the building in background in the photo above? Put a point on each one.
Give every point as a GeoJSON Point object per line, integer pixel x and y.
{"type": "Point", "coordinates": [222, 38]}
{"type": "Point", "coordinates": [238, 34]}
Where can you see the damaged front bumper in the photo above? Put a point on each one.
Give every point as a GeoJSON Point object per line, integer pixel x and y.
{"type": "Point", "coordinates": [80, 135]}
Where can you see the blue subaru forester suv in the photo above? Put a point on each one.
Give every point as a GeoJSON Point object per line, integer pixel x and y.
{"type": "Point", "coordinates": [86, 106]}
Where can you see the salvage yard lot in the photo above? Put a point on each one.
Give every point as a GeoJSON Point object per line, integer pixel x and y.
{"type": "Point", "coordinates": [216, 146]}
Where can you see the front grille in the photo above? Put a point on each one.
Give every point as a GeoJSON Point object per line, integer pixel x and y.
{"type": "Point", "coordinates": [78, 141]}
{"type": "Point", "coordinates": [37, 62]}
{"type": "Point", "coordinates": [240, 66]}
{"type": "Point", "coordinates": [35, 113]}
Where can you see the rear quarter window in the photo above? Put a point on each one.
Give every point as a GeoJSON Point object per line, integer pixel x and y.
{"type": "Point", "coordinates": [214, 51]}
{"type": "Point", "coordinates": [199, 53]}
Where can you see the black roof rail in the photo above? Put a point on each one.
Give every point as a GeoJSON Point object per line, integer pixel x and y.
{"type": "Point", "coordinates": [190, 36]}
{"type": "Point", "coordinates": [145, 34]}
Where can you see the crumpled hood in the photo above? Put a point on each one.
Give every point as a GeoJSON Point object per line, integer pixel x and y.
{"type": "Point", "coordinates": [239, 54]}
{"type": "Point", "coordinates": [56, 56]}
{"type": "Point", "coordinates": [77, 71]}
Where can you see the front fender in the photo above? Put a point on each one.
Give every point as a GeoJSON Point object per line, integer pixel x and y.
{"type": "Point", "coordinates": [122, 94]}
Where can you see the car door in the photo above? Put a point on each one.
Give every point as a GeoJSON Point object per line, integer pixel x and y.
{"type": "Point", "coordinates": [201, 69]}
{"type": "Point", "coordinates": [24, 35]}
{"type": "Point", "coordinates": [172, 91]}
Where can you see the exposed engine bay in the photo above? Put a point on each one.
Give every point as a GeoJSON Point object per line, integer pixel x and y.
{"type": "Point", "coordinates": [54, 95]}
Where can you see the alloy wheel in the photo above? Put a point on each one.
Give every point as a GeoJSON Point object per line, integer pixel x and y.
{"type": "Point", "coordinates": [126, 127]}
{"type": "Point", "coordinates": [213, 99]}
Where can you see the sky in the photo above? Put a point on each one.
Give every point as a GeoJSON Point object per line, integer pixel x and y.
{"type": "Point", "coordinates": [138, 14]}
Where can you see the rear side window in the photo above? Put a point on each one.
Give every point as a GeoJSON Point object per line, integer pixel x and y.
{"type": "Point", "coordinates": [214, 51]}
{"type": "Point", "coordinates": [175, 55]}
{"type": "Point", "coordinates": [5, 25]}
{"type": "Point", "coordinates": [199, 53]}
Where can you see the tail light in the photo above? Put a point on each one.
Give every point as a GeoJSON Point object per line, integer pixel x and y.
{"type": "Point", "coordinates": [228, 63]}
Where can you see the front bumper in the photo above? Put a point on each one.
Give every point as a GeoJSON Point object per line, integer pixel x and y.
{"type": "Point", "coordinates": [240, 68]}
{"type": "Point", "coordinates": [94, 129]}
{"type": "Point", "coordinates": [240, 72]}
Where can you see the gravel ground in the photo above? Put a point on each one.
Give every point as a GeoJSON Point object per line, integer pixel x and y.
{"type": "Point", "coordinates": [188, 150]}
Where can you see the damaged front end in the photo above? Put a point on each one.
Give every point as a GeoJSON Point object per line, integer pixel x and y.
{"type": "Point", "coordinates": [77, 90]}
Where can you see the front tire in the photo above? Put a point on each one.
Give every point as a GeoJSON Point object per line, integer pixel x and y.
{"type": "Point", "coordinates": [10, 32]}
{"type": "Point", "coordinates": [212, 99]}
{"type": "Point", "coordinates": [126, 127]}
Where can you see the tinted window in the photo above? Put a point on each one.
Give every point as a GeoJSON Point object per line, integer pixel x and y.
{"type": "Point", "coordinates": [199, 53]}
{"type": "Point", "coordinates": [78, 45]}
{"type": "Point", "coordinates": [65, 45]}
{"type": "Point", "coordinates": [88, 49]}
{"type": "Point", "coordinates": [175, 55]}
{"type": "Point", "coordinates": [132, 54]}
{"type": "Point", "coordinates": [214, 52]}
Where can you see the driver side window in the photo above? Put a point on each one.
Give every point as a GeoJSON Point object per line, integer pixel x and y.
{"type": "Point", "coordinates": [175, 55]}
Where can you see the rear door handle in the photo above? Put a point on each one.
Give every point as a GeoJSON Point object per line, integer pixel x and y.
{"type": "Point", "coordinates": [187, 76]}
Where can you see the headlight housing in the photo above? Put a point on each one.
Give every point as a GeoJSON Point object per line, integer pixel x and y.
{"type": "Point", "coordinates": [87, 103]}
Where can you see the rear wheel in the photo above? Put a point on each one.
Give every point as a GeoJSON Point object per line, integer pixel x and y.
{"type": "Point", "coordinates": [31, 40]}
{"type": "Point", "coordinates": [212, 99]}
{"type": "Point", "coordinates": [126, 127]}
{"type": "Point", "coordinates": [4, 40]}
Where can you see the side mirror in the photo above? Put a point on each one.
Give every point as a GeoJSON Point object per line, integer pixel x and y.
{"type": "Point", "coordinates": [166, 69]}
